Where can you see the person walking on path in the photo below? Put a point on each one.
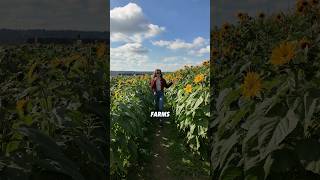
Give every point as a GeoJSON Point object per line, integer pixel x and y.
{"type": "Point", "coordinates": [158, 83]}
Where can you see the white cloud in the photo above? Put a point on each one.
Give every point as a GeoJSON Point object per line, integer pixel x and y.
{"type": "Point", "coordinates": [173, 63]}
{"type": "Point", "coordinates": [128, 56]}
{"type": "Point", "coordinates": [130, 27]}
{"type": "Point", "coordinates": [171, 59]}
{"type": "Point", "coordinates": [176, 59]}
{"type": "Point", "coordinates": [201, 52]}
{"type": "Point", "coordinates": [181, 44]}
{"type": "Point", "coordinates": [128, 24]}
{"type": "Point", "coordinates": [154, 30]}
{"type": "Point", "coordinates": [199, 41]}
{"type": "Point", "coordinates": [198, 47]}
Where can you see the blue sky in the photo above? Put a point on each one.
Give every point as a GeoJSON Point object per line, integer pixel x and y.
{"type": "Point", "coordinates": [166, 34]}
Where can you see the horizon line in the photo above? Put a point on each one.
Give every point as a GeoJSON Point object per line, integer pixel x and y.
{"type": "Point", "coordinates": [30, 29]}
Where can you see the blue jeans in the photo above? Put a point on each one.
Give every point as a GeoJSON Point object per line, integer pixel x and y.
{"type": "Point", "coordinates": [159, 99]}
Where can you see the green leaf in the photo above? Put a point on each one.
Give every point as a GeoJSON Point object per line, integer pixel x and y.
{"type": "Point", "coordinates": [93, 152]}
{"type": "Point", "coordinates": [280, 161]}
{"type": "Point", "coordinates": [198, 103]}
{"type": "Point", "coordinates": [226, 146]}
{"type": "Point", "coordinates": [251, 177]}
{"type": "Point", "coordinates": [50, 149]}
{"type": "Point", "coordinates": [232, 96]}
{"type": "Point", "coordinates": [275, 130]}
{"type": "Point", "coordinates": [309, 109]}
{"type": "Point", "coordinates": [308, 151]}
{"type": "Point", "coordinates": [221, 97]}
{"type": "Point", "coordinates": [231, 173]}
{"type": "Point", "coordinates": [268, 85]}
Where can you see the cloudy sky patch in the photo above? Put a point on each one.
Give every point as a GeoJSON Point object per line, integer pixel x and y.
{"type": "Point", "coordinates": [87, 15]}
{"type": "Point", "coordinates": [144, 37]}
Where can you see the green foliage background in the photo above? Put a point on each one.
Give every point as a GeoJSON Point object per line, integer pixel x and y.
{"type": "Point", "coordinates": [53, 112]}
{"type": "Point", "coordinates": [274, 135]}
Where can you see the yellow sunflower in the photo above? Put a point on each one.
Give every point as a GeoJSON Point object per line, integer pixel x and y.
{"type": "Point", "coordinates": [168, 77]}
{"type": "Point", "coordinates": [20, 105]}
{"type": "Point", "coordinates": [226, 26]}
{"type": "Point", "coordinates": [302, 6]}
{"type": "Point", "coordinates": [101, 51]}
{"type": "Point", "coordinates": [178, 76]}
{"type": "Point", "coordinates": [243, 17]}
{"type": "Point", "coordinates": [199, 78]}
{"type": "Point", "coordinates": [188, 88]}
{"type": "Point", "coordinates": [283, 53]}
{"type": "Point", "coordinates": [251, 85]}
{"type": "Point", "coordinates": [205, 63]}
{"type": "Point", "coordinates": [225, 29]}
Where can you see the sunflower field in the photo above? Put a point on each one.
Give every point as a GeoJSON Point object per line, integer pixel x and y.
{"type": "Point", "coordinates": [53, 103]}
{"type": "Point", "coordinates": [132, 101]}
{"type": "Point", "coordinates": [265, 85]}
{"type": "Point", "coordinates": [189, 99]}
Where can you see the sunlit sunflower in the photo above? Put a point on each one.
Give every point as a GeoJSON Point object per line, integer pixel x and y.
{"type": "Point", "coordinates": [178, 76]}
{"type": "Point", "coordinates": [199, 78]}
{"type": "Point", "coordinates": [283, 53]}
{"type": "Point", "coordinates": [251, 85]}
{"type": "Point", "coordinates": [205, 63]}
{"type": "Point", "coordinates": [188, 88]}
{"type": "Point", "coordinates": [168, 77]}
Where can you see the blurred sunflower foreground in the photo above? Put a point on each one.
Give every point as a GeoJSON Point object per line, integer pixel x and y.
{"type": "Point", "coordinates": [132, 101]}
{"type": "Point", "coordinates": [265, 123]}
{"type": "Point", "coordinates": [48, 126]}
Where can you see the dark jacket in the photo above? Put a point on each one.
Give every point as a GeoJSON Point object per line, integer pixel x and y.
{"type": "Point", "coordinates": [163, 84]}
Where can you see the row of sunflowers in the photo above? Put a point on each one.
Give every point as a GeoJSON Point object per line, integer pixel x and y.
{"type": "Point", "coordinates": [132, 101]}
{"type": "Point", "coordinates": [265, 121]}
{"type": "Point", "coordinates": [189, 100]}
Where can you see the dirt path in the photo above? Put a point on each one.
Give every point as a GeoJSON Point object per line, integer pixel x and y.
{"type": "Point", "coordinates": [169, 159]}
{"type": "Point", "coordinates": [159, 165]}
